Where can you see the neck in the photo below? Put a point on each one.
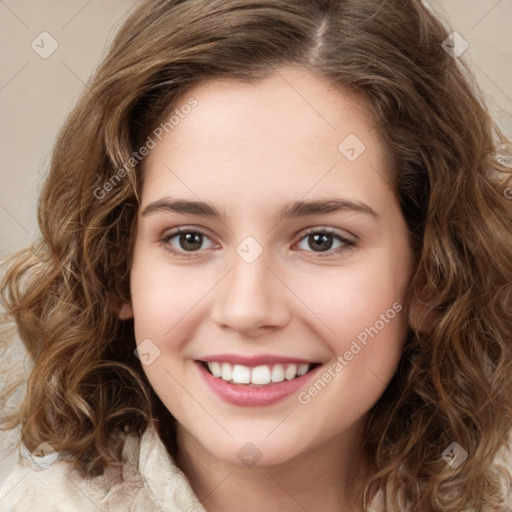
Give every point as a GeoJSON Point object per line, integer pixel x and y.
{"type": "Point", "coordinates": [328, 478]}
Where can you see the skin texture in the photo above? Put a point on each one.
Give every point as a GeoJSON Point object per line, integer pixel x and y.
{"type": "Point", "coordinates": [249, 149]}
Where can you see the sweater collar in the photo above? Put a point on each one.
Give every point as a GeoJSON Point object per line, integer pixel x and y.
{"type": "Point", "coordinates": [167, 483]}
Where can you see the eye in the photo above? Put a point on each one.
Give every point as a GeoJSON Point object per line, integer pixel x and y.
{"type": "Point", "coordinates": [324, 240]}
{"type": "Point", "coordinates": [185, 241]}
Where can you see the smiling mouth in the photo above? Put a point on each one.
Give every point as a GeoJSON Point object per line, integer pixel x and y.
{"type": "Point", "coordinates": [257, 376]}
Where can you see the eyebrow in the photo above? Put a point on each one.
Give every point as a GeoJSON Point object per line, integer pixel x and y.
{"type": "Point", "coordinates": [290, 210]}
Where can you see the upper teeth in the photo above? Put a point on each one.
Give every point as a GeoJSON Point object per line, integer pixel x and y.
{"type": "Point", "coordinates": [258, 375]}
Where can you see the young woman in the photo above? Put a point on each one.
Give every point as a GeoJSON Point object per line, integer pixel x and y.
{"type": "Point", "coordinates": [273, 273]}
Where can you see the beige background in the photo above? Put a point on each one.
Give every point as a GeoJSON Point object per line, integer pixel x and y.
{"type": "Point", "coordinates": [36, 93]}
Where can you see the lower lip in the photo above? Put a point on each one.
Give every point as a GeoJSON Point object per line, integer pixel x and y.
{"type": "Point", "coordinates": [253, 396]}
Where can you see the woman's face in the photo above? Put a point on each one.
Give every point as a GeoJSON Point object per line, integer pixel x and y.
{"type": "Point", "coordinates": [293, 257]}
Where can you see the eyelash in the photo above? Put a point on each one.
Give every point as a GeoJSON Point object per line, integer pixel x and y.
{"type": "Point", "coordinates": [347, 244]}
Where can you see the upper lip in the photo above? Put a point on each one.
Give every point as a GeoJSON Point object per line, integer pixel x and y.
{"type": "Point", "coordinates": [257, 360]}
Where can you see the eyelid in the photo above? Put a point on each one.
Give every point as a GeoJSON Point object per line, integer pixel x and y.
{"type": "Point", "coordinates": [347, 242]}
{"type": "Point", "coordinates": [165, 239]}
{"type": "Point", "coordinates": [331, 231]}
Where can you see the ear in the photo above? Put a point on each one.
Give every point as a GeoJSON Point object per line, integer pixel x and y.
{"type": "Point", "coordinates": [419, 314]}
{"type": "Point", "coordinates": [125, 311]}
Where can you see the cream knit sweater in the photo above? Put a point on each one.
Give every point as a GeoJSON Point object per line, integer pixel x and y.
{"type": "Point", "coordinates": [148, 482]}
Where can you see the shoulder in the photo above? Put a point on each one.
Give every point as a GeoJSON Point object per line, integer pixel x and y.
{"type": "Point", "coordinates": [148, 481]}
{"type": "Point", "coordinates": [40, 483]}
{"type": "Point", "coordinates": [55, 488]}
{"type": "Point", "coordinates": [503, 463]}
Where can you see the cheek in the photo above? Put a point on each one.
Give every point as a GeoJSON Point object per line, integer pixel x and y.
{"type": "Point", "coordinates": [348, 303]}
{"type": "Point", "coordinates": [365, 313]}
{"type": "Point", "coordinates": [162, 296]}
{"type": "Point", "coordinates": [165, 299]}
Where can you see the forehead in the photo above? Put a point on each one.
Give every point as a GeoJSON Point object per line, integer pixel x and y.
{"type": "Point", "coordinates": [290, 134]}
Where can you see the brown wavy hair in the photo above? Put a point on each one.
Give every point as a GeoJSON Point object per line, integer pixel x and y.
{"type": "Point", "coordinates": [452, 173]}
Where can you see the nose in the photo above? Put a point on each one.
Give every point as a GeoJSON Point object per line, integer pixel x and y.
{"type": "Point", "coordinates": [251, 299]}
